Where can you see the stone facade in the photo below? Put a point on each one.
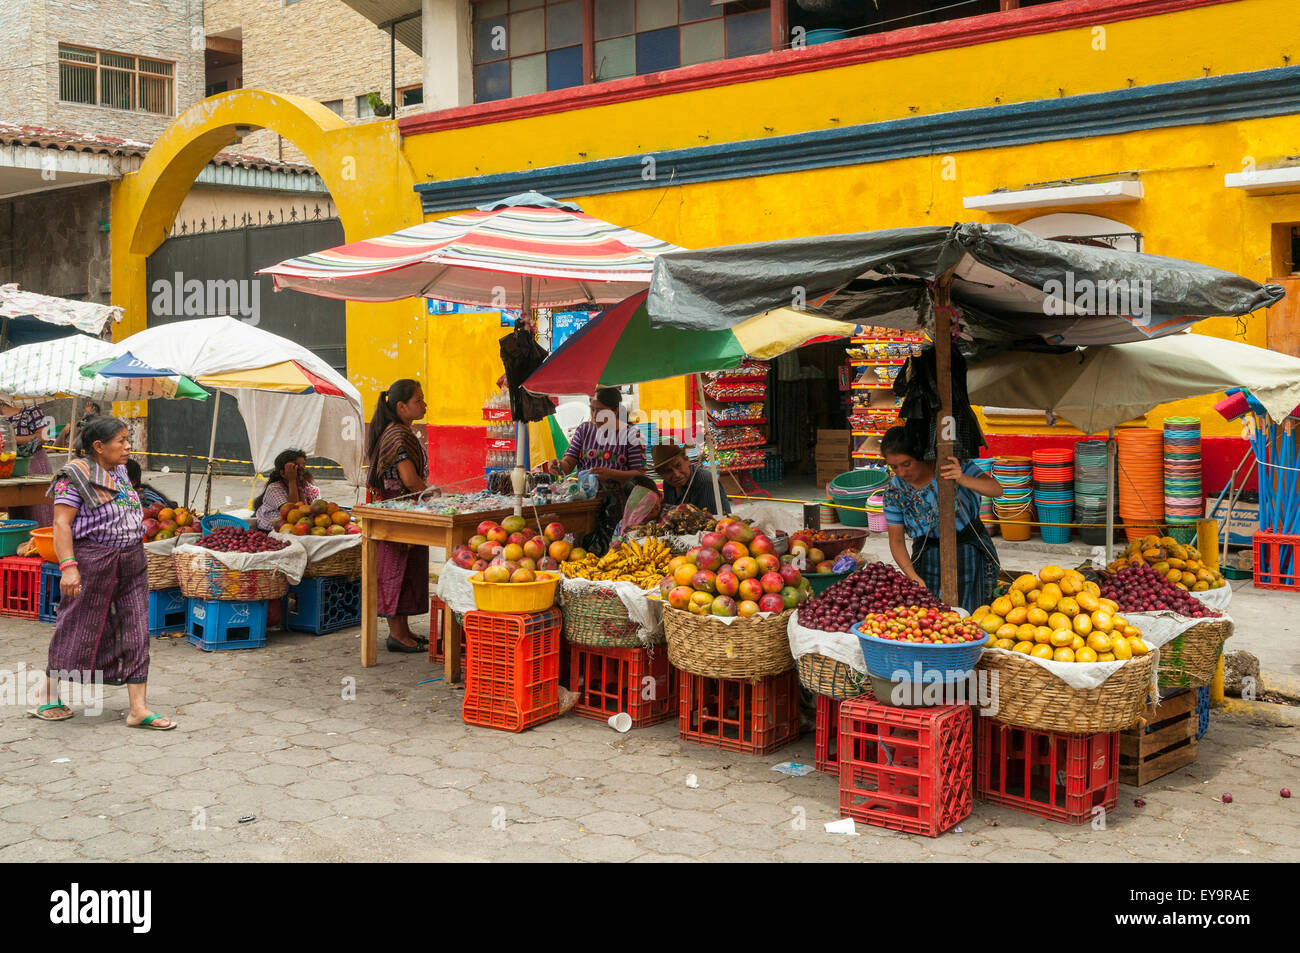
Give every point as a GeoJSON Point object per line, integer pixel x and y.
{"type": "Point", "coordinates": [30, 34]}
{"type": "Point", "coordinates": [320, 49]}
{"type": "Point", "coordinates": [57, 242]}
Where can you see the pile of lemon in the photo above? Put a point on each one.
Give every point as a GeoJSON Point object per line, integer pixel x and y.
{"type": "Point", "coordinates": [1180, 563]}
{"type": "Point", "coordinates": [1060, 615]}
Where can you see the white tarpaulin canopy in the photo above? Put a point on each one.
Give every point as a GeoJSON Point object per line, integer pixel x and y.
{"type": "Point", "coordinates": [287, 395]}
{"type": "Point", "coordinates": [85, 316]}
{"type": "Point", "coordinates": [1097, 388]}
{"type": "Point", "coordinates": [51, 369]}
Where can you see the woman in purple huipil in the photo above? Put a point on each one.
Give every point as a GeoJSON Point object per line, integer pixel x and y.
{"type": "Point", "coordinates": [30, 430]}
{"type": "Point", "coordinates": [398, 466]}
{"type": "Point", "coordinates": [103, 621]}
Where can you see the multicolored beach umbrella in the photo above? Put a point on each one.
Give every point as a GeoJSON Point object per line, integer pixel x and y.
{"type": "Point", "coordinates": [620, 347]}
{"type": "Point", "coordinates": [526, 251]}
{"type": "Point", "coordinates": [52, 369]}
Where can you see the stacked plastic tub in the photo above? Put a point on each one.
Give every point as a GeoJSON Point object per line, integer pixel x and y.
{"type": "Point", "coordinates": [1141, 481]}
{"type": "Point", "coordinates": [1182, 476]}
{"type": "Point", "coordinates": [1016, 502]}
{"type": "Point", "coordinates": [986, 503]}
{"type": "Point", "coordinates": [1090, 489]}
{"type": "Point", "coordinates": [876, 513]}
{"type": "Point", "coordinates": [1054, 492]}
{"type": "Point", "coordinates": [854, 489]}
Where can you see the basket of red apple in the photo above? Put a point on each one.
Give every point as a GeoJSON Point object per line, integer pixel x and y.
{"type": "Point", "coordinates": [727, 608]}
{"type": "Point", "coordinates": [162, 527]}
{"type": "Point", "coordinates": [201, 575]}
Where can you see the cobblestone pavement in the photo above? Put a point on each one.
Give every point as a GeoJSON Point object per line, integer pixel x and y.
{"type": "Point", "coordinates": [396, 775]}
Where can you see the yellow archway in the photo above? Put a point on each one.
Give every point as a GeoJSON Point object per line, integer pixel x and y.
{"type": "Point", "coordinates": [363, 166]}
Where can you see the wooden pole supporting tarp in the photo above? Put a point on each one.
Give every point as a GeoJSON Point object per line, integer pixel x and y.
{"type": "Point", "coordinates": [943, 448]}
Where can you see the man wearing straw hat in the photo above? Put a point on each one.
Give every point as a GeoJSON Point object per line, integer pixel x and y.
{"type": "Point", "coordinates": [684, 482]}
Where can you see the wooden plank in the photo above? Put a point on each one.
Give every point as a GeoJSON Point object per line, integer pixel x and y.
{"type": "Point", "coordinates": [369, 602]}
{"type": "Point", "coordinates": [1144, 772]}
{"type": "Point", "coordinates": [944, 444]}
{"type": "Point", "coordinates": [23, 491]}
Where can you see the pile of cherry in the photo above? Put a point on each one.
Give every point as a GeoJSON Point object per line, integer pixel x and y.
{"type": "Point", "coordinates": [231, 539]}
{"type": "Point", "coordinates": [875, 587]}
{"type": "Point", "coordinates": [1142, 589]}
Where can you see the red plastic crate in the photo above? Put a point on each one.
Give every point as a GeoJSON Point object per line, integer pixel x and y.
{"type": "Point", "coordinates": [826, 747]}
{"type": "Point", "coordinates": [907, 769]}
{"type": "Point", "coordinates": [613, 680]}
{"type": "Point", "coordinates": [20, 586]}
{"type": "Point", "coordinates": [512, 668]}
{"type": "Point", "coordinates": [1276, 565]}
{"type": "Point", "coordinates": [437, 627]}
{"type": "Point", "coordinates": [737, 714]}
{"type": "Point", "coordinates": [1057, 776]}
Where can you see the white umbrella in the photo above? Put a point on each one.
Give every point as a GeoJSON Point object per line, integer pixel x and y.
{"type": "Point", "coordinates": [288, 396]}
{"type": "Point", "coordinates": [83, 315]}
{"type": "Point", "coordinates": [52, 369]}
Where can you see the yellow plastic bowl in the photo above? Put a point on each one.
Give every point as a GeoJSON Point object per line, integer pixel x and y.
{"type": "Point", "coordinates": [517, 596]}
{"type": "Point", "coordinates": [44, 540]}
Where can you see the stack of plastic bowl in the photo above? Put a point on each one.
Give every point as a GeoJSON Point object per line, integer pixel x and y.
{"type": "Point", "coordinates": [986, 502]}
{"type": "Point", "coordinates": [1090, 489]}
{"type": "Point", "coordinates": [1054, 492]}
{"type": "Point", "coordinates": [1182, 476]}
{"type": "Point", "coordinates": [1141, 481]}
{"type": "Point", "coordinates": [1016, 502]}
{"type": "Point", "coordinates": [876, 513]}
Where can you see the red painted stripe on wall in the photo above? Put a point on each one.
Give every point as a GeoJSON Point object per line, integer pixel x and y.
{"type": "Point", "coordinates": [971, 31]}
{"type": "Point", "coordinates": [456, 456]}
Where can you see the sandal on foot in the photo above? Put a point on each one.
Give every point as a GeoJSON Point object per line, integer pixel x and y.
{"type": "Point", "coordinates": [39, 712]}
{"type": "Point", "coordinates": [150, 721]}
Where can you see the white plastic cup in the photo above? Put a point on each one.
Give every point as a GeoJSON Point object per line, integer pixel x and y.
{"type": "Point", "coordinates": [622, 722]}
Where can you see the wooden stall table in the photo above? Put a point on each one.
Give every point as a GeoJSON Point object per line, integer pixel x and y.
{"type": "Point", "coordinates": [24, 491]}
{"type": "Point", "coordinates": [444, 531]}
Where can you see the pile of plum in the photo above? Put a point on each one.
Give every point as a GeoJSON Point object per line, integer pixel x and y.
{"type": "Point", "coordinates": [1142, 589]}
{"type": "Point", "coordinates": [875, 587]}
{"type": "Point", "coordinates": [231, 539]}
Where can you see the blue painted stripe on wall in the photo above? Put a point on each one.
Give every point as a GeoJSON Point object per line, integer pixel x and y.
{"type": "Point", "coordinates": [1273, 92]}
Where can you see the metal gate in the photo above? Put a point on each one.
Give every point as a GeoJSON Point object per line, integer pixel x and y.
{"type": "Point", "coordinates": [223, 263]}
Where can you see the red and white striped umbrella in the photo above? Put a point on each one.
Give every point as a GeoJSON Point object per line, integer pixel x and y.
{"type": "Point", "coordinates": [527, 251]}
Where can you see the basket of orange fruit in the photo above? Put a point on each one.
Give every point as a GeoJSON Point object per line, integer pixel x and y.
{"type": "Point", "coordinates": [1065, 659]}
{"type": "Point", "coordinates": [321, 518]}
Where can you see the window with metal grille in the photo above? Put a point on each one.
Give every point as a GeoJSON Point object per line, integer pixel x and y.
{"type": "Point", "coordinates": [115, 80]}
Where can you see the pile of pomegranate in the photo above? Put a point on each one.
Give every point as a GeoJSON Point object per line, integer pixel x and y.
{"type": "Point", "coordinates": [231, 539]}
{"type": "Point", "coordinates": [1142, 589]}
{"type": "Point", "coordinates": [875, 587]}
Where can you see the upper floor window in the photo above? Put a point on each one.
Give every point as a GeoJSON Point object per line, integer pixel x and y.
{"type": "Point", "coordinates": [98, 78]}
{"type": "Point", "coordinates": [335, 106]}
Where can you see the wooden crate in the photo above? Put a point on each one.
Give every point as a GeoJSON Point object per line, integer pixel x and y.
{"type": "Point", "coordinates": [1161, 744]}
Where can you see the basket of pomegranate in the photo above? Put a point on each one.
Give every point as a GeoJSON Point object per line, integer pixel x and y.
{"type": "Point", "coordinates": [201, 574]}
{"type": "Point", "coordinates": [1191, 658]}
{"type": "Point", "coordinates": [1062, 657]}
{"type": "Point", "coordinates": [826, 623]}
{"type": "Point", "coordinates": [163, 527]}
{"type": "Point", "coordinates": [726, 610]}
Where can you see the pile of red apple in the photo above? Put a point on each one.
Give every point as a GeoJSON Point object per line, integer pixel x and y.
{"type": "Point", "coordinates": [804, 543]}
{"type": "Point", "coordinates": [163, 522]}
{"type": "Point", "coordinates": [319, 518]}
{"type": "Point", "coordinates": [232, 539]}
{"type": "Point", "coordinates": [734, 572]}
{"type": "Point", "coordinates": [1142, 589]}
{"type": "Point", "coordinates": [875, 587]}
{"type": "Point", "coordinates": [921, 624]}
{"type": "Point", "coordinates": [512, 551]}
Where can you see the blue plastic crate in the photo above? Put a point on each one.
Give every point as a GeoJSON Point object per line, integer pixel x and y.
{"type": "Point", "coordinates": [324, 604]}
{"type": "Point", "coordinates": [50, 592]}
{"type": "Point", "coordinates": [219, 626]}
{"type": "Point", "coordinates": [168, 611]}
{"type": "Point", "coordinates": [1202, 711]}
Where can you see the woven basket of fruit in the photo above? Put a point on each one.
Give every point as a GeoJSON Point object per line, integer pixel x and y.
{"type": "Point", "coordinates": [595, 615]}
{"type": "Point", "coordinates": [1191, 660]}
{"type": "Point", "coordinates": [1029, 696]}
{"type": "Point", "coordinates": [202, 576]}
{"type": "Point", "coordinates": [752, 647]}
{"type": "Point", "coordinates": [345, 563]}
{"type": "Point", "coordinates": [827, 676]}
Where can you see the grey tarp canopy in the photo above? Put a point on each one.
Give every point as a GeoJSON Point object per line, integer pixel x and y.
{"type": "Point", "coordinates": [1009, 288]}
{"type": "Point", "coordinates": [999, 273]}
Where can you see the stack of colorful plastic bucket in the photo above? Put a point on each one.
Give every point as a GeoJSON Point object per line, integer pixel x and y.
{"type": "Point", "coordinates": [986, 502]}
{"type": "Point", "coordinates": [1090, 489]}
{"type": "Point", "coordinates": [1016, 502]}
{"type": "Point", "coordinates": [1183, 476]}
{"type": "Point", "coordinates": [1054, 492]}
{"type": "Point", "coordinates": [1141, 481]}
{"type": "Point", "coordinates": [876, 513]}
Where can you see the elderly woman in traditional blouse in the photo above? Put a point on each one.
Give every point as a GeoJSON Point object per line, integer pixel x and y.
{"type": "Point", "coordinates": [103, 621]}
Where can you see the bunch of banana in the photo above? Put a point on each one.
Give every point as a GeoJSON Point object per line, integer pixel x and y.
{"type": "Point", "coordinates": [642, 562]}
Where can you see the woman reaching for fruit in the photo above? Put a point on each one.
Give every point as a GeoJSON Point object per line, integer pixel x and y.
{"type": "Point", "coordinates": [912, 509]}
{"type": "Point", "coordinates": [103, 620]}
{"type": "Point", "coordinates": [398, 466]}
{"type": "Point", "coordinates": [288, 482]}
